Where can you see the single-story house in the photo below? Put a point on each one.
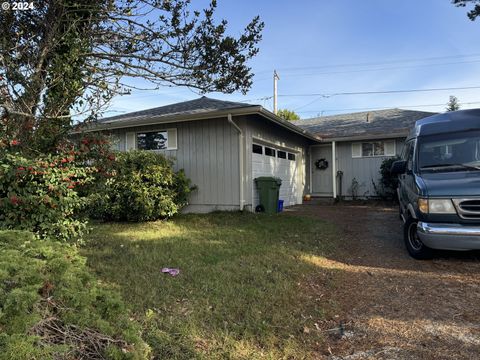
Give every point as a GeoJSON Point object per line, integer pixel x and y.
{"type": "Point", "coordinates": [358, 142]}
{"type": "Point", "coordinates": [222, 146]}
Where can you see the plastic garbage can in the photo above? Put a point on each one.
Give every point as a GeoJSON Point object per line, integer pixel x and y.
{"type": "Point", "coordinates": [268, 191]}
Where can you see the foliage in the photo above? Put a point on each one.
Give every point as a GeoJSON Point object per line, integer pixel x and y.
{"type": "Point", "coordinates": [453, 104]}
{"type": "Point", "coordinates": [41, 195]}
{"type": "Point", "coordinates": [354, 187]}
{"type": "Point", "coordinates": [51, 307]}
{"type": "Point", "coordinates": [288, 114]}
{"type": "Point", "coordinates": [247, 282]}
{"type": "Point", "coordinates": [67, 58]}
{"type": "Point", "coordinates": [388, 181]}
{"type": "Point", "coordinates": [143, 187]}
{"type": "Point", "coordinates": [472, 14]}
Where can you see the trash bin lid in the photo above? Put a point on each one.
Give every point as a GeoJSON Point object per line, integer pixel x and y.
{"type": "Point", "coordinates": [268, 179]}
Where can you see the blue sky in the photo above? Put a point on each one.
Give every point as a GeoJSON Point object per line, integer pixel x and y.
{"type": "Point", "coordinates": [336, 46]}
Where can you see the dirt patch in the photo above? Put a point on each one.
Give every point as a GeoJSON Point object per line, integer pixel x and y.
{"type": "Point", "coordinates": [388, 305]}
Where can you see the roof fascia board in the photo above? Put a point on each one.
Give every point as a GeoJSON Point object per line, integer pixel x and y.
{"type": "Point", "coordinates": [154, 120]}
{"type": "Point", "coordinates": [367, 137]}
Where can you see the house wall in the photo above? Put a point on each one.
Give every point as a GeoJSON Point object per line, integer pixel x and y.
{"type": "Point", "coordinates": [208, 152]}
{"type": "Point", "coordinates": [364, 170]}
{"type": "Point", "coordinates": [259, 130]}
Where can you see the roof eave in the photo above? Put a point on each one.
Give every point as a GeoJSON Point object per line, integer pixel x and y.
{"type": "Point", "coordinates": [155, 120]}
{"type": "Point", "coordinates": [288, 125]}
{"type": "Point", "coordinates": [366, 137]}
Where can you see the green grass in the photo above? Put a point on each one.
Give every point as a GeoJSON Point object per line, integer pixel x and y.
{"type": "Point", "coordinates": [242, 292]}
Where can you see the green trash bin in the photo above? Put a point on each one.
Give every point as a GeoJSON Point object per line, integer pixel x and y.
{"type": "Point", "coordinates": [268, 190]}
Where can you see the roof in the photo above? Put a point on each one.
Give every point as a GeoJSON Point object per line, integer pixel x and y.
{"type": "Point", "coordinates": [193, 107]}
{"type": "Point", "coordinates": [462, 120]}
{"type": "Point", "coordinates": [199, 109]}
{"type": "Point", "coordinates": [368, 124]}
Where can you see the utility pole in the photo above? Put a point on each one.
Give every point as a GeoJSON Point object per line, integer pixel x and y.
{"type": "Point", "coordinates": [275, 79]}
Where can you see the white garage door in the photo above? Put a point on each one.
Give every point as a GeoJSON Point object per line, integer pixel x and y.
{"type": "Point", "coordinates": [271, 161]}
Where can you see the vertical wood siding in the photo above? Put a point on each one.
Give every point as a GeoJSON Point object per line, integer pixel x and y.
{"type": "Point", "coordinates": [364, 170]}
{"type": "Point", "coordinates": [208, 152]}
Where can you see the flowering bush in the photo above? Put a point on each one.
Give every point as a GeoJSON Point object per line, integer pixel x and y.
{"type": "Point", "coordinates": [143, 187]}
{"type": "Point", "coordinates": [41, 195]}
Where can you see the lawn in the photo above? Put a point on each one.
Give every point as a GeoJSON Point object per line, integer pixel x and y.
{"type": "Point", "coordinates": [242, 291]}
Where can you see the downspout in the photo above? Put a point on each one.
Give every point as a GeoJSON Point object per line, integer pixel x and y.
{"type": "Point", "coordinates": [310, 170]}
{"type": "Point", "coordinates": [334, 170]}
{"type": "Point", "coordinates": [241, 160]}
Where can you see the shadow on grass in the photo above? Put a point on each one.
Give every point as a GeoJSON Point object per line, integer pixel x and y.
{"type": "Point", "coordinates": [243, 290]}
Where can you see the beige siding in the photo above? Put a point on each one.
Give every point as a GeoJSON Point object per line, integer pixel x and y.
{"type": "Point", "coordinates": [208, 152]}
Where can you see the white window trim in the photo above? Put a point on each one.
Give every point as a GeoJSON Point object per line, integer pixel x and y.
{"type": "Point", "coordinates": [158, 130]}
{"type": "Point", "coordinates": [374, 156]}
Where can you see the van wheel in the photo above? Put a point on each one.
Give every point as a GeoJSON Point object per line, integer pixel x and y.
{"type": "Point", "coordinates": [414, 245]}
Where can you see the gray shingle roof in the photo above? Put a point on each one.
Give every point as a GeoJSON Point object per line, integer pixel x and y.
{"type": "Point", "coordinates": [198, 109]}
{"type": "Point", "coordinates": [198, 106]}
{"type": "Point", "coordinates": [368, 123]}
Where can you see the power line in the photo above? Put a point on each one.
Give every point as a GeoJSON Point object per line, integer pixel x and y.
{"type": "Point", "coordinates": [373, 63]}
{"type": "Point", "coordinates": [373, 69]}
{"type": "Point", "coordinates": [386, 107]}
{"type": "Point", "coordinates": [380, 92]}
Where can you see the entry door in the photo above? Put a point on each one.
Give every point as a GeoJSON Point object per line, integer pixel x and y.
{"type": "Point", "coordinates": [322, 179]}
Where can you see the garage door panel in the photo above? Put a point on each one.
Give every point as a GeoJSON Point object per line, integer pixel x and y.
{"type": "Point", "coordinates": [286, 170]}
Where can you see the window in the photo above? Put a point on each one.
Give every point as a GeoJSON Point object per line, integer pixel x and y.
{"type": "Point", "coordinates": [291, 156]}
{"type": "Point", "coordinates": [257, 149]}
{"type": "Point", "coordinates": [373, 148]}
{"type": "Point", "coordinates": [409, 155]}
{"type": "Point", "coordinates": [281, 154]}
{"type": "Point", "coordinates": [157, 140]}
{"type": "Point", "coordinates": [269, 151]}
{"type": "Point", "coordinates": [449, 152]}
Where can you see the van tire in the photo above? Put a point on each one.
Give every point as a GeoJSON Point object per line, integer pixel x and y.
{"type": "Point", "coordinates": [414, 245]}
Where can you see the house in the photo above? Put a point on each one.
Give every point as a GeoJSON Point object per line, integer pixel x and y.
{"type": "Point", "coordinates": [358, 142]}
{"type": "Point", "coordinates": [222, 146]}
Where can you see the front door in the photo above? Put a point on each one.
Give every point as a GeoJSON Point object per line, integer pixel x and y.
{"type": "Point", "coordinates": [322, 178]}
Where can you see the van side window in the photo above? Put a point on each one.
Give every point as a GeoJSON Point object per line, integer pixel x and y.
{"type": "Point", "coordinates": [406, 150]}
{"type": "Point", "coordinates": [409, 155]}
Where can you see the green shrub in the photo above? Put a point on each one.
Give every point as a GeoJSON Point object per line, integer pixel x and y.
{"type": "Point", "coordinates": [388, 182]}
{"type": "Point", "coordinates": [51, 306]}
{"type": "Point", "coordinates": [143, 187]}
{"type": "Point", "coordinates": [40, 195]}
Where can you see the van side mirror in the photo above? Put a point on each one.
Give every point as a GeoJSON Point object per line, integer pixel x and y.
{"type": "Point", "coordinates": [398, 167]}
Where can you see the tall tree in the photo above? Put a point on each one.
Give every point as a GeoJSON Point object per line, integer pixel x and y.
{"type": "Point", "coordinates": [473, 13]}
{"type": "Point", "coordinates": [453, 104]}
{"type": "Point", "coordinates": [69, 58]}
{"type": "Point", "coordinates": [289, 115]}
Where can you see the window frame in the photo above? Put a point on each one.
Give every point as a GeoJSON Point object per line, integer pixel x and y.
{"type": "Point", "coordinates": [261, 149]}
{"type": "Point", "coordinates": [167, 131]}
{"type": "Point", "coordinates": [274, 151]}
{"type": "Point", "coordinates": [373, 142]}
{"type": "Point", "coordinates": [284, 154]}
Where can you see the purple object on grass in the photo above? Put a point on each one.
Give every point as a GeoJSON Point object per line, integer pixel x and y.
{"type": "Point", "coordinates": [171, 271]}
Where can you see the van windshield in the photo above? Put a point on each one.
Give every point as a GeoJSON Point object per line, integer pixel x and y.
{"type": "Point", "coordinates": [449, 152]}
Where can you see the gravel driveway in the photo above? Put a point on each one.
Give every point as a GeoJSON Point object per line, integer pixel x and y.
{"type": "Point", "coordinates": [388, 305]}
